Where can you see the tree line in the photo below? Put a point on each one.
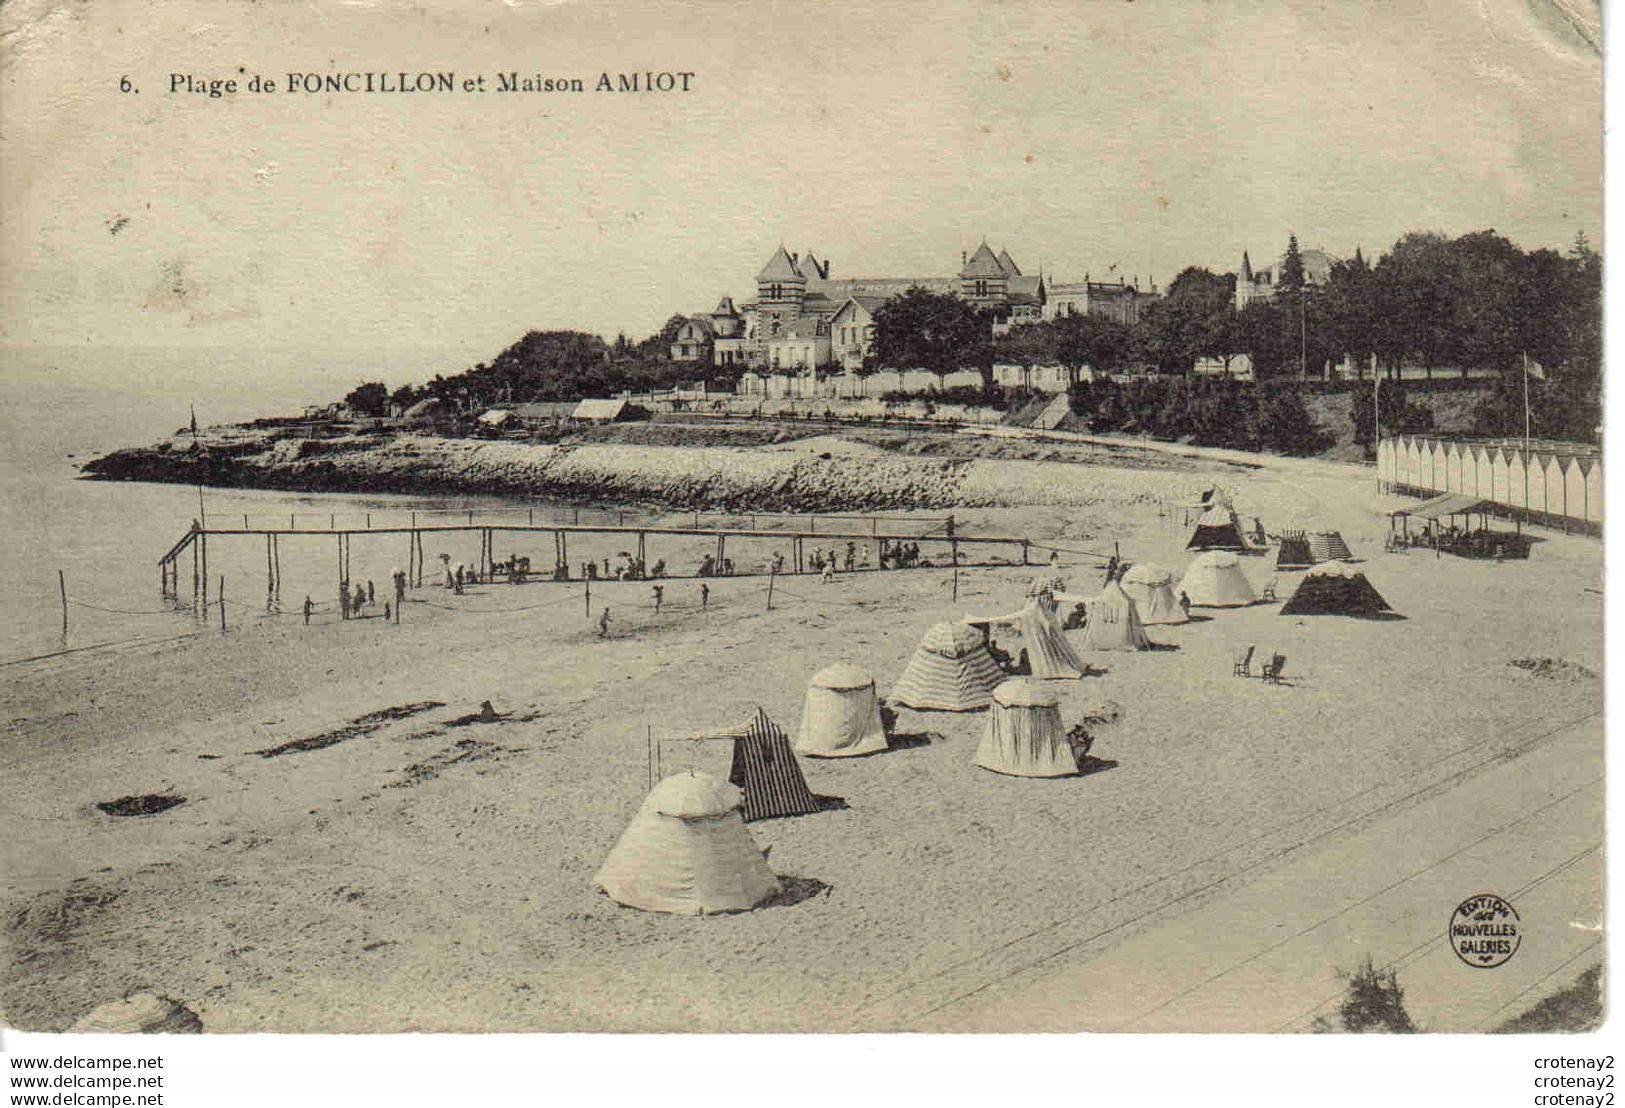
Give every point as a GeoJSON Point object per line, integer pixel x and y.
{"type": "Point", "coordinates": [1474, 302]}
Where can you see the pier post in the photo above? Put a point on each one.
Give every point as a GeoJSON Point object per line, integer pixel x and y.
{"type": "Point", "coordinates": [222, 599]}
{"type": "Point", "coordinates": [270, 574]}
{"type": "Point", "coordinates": [771, 574]}
{"type": "Point", "coordinates": [62, 584]}
{"type": "Point", "coordinates": [344, 607]}
{"type": "Point", "coordinates": [588, 581]}
{"type": "Point", "coordinates": [194, 576]}
{"type": "Point", "coordinates": [203, 540]}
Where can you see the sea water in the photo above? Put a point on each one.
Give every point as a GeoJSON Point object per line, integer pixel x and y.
{"type": "Point", "coordinates": [106, 537]}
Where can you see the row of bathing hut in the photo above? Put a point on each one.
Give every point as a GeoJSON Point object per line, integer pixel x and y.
{"type": "Point", "coordinates": [1559, 484]}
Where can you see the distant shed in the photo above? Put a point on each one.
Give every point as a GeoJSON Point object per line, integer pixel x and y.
{"type": "Point", "coordinates": [613, 410]}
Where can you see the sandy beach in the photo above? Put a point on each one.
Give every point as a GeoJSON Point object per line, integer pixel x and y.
{"type": "Point", "coordinates": [397, 871]}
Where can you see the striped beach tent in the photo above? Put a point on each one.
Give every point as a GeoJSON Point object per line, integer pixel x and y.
{"type": "Point", "coordinates": [765, 770]}
{"type": "Point", "coordinates": [1294, 552]}
{"type": "Point", "coordinates": [951, 671]}
{"type": "Point", "coordinates": [1328, 546]}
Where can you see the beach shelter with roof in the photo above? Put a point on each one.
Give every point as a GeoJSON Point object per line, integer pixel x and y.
{"type": "Point", "coordinates": [1151, 587]}
{"type": "Point", "coordinates": [841, 716]}
{"type": "Point", "coordinates": [951, 671]}
{"type": "Point", "coordinates": [765, 771]}
{"type": "Point", "coordinates": [687, 851]}
{"type": "Point", "coordinates": [1024, 736]}
{"type": "Point", "coordinates": [1113, 622]}
{"type": "Point", "coordinates": [1214, 580]}
{"type": "Point", "coordinates": [1217, 529]}
{"type": "Point", "coordinates": [1294, 551]}
{"type": "Point", "coordinates": [1335, 589]}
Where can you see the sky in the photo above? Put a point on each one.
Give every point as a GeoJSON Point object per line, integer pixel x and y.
{"type": "Point", "coordinates": [430, 231]}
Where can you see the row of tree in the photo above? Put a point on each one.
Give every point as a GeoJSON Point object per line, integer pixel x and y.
{"type": "Point", "coordinates": [1472, 302]}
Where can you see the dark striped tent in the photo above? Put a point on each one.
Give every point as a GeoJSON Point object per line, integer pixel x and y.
{"type": "Point", "coordinates": [766, 772]}
{"type": "Point", "coordinates": [1294, 552]}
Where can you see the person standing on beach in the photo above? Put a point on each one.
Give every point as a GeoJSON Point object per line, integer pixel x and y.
{"type": "Point", "coordinates": [307, 609]}
{"type": "Point", "coordinates": [705, 595]}
{"type": "Point", "coordinates": [344, 601]}
{"type": "Point", "coordinates": [660, 596]}
{"type": "Point", "coordinates": [359, 601]}
{"type": "Point", "coordinates": [603, 624]}
{"type": "Point", "coordinates": [371, 599]}
{"type": "Point", "coordinates": [398, 576]}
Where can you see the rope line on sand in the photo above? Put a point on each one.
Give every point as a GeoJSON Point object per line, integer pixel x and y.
{"type": "Point", "coordinates": [1071, 550]}
{"type": "Point", "coordinates": [127, 611]}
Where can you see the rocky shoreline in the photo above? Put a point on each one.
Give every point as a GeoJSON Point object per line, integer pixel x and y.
{"type": "Point", "coordinates": [819, 474]}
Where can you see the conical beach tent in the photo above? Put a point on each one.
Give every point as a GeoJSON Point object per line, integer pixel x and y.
{"type": "Point", "coordinates": [1217, 529]}
{"type": "Point", "coordinates": [1294, 552]}
{"type": "Point", "coordinates": [687, 851]}
{"type": "Point", "coordinates": [1151, 587]}
{"type": "Point", "coordinates": [841, 716]}
{"type": "Point", "coordinates": [1335, 588]}
{"type": "Point", "coordinates": [1215, 580]}
{"type": "Point", "coordinates": [1024, 737]}
{"type": "Point", "coordinates": [140, 1014]}
{"type": "Point", "coordinates": [1328, 546]}
{"type": "Point", "coordinates": [765, 770]}
{"type": "Point", "coordinates": [1049, 653]}
{"type": "Point", "coordinates": [1113, 622]}
{"type": "Point", "coordinates": [951, 671]}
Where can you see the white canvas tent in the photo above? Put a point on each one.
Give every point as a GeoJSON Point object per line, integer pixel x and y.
{"type": "Point", "coordinates": [951, 671]}
{"type": "Point", "coordinates": [1024, 736]}
{"type": "Point", "coordinates": [841, 715]}
{"type": "Point", "coordinates": [1151, 587]}
{"type": "Point", "coordinates": [1050, 655]}
{"type": "Point", "coordinates": [687, 851]}
{"type": "Point", "coordinates": [1215, 580]}
{"type": "Point", "coordinates": [1113, 622]}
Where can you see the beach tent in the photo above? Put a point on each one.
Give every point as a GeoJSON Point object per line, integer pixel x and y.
{"type": "Point", "coordinates": [1217, 529]}
{"type": "Point", "coordinates": [951, 671]}
{"type": "Point", "coordinates": [1113, 622]}
{"type": "Point", "coordinates": [1024, 737]}
{"type": "Point", "coordinates": [841, 715]}
{"type": "Point", "coordinates": [1294, 552]}
{"type": "Point", "coordinates": [687, 851]}
{"type": "Point", "coordinates": [1151, 587]}
{"type": "Point", "coordinates": [1050, 655]}
{"type": "Point", "coordinates": [1328, 546]}
{"type": "Point", "coordinates": [1334, 588]}
{"type": "Point", "coordinates": [139, 1014]}
{"type": "Point", "coordinates": [765, 770]}
{"type": "Point", "coordinates": [1215, 580]}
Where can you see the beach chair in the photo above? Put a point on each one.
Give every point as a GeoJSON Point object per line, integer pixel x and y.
{"type": "Point", "coordinates": [1272, 669]}
{"type": "Point", "coordinates": [1269, 590]}
{"type": "Point", "coordinates": [1243, 661]}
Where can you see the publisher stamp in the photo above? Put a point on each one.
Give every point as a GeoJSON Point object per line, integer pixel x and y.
{"type": "Point", "coordinates": [1485, 931]}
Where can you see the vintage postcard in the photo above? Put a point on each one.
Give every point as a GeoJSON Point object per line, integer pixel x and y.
{"type": "Point", "coordinates": [802, 517]}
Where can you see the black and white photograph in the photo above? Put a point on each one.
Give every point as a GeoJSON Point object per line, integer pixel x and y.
{"type": "Point", "coordinates": [805, 519]}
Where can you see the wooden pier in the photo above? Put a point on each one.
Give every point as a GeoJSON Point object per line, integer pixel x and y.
{"type": "Point", "coordinates": [196, 543]}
